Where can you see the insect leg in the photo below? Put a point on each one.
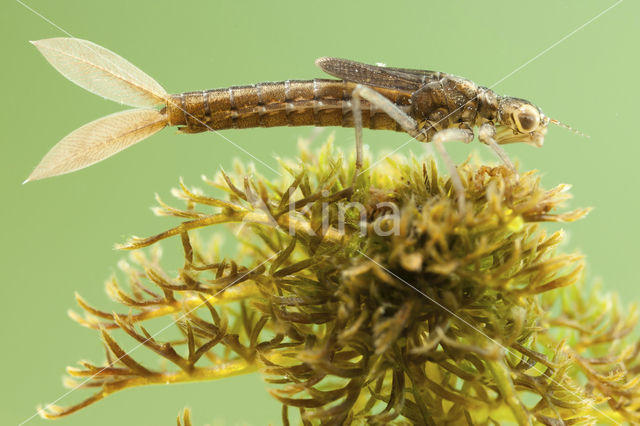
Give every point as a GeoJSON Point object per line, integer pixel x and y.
{"type": "Point", "coordinates": [357, 125]}
{"type": "Point", "coordinates": [447, 135]}
{"type": "Point", "coordinates": [380, 102]}
{"type": "Point", "coordinates": [410, 126]}
{"type": "Point", "coordinates": [486, 134]}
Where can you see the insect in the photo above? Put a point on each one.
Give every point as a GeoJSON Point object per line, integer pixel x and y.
{"type": "Point", "coordinates": [428, 105]}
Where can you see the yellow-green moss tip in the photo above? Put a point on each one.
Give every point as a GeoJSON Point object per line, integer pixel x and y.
{"type": "Point", "coordinates": [381, 302]}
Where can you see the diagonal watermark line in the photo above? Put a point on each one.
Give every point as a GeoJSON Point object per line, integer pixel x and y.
{"type": "Point", "coordinates": [257, 159]}
{"type": "Point", "coordinates": [502, 79]}
{"type": "Point", "coordinates": [176, 105]}
{"type": "Point", "coordinates": [556, 43]}
{"type": "Point", "coordinates": [198, 306]}
{"type": "Point", "coordinates": [79, 385]}
{"type": "Point", "coordinates": [476, 329]}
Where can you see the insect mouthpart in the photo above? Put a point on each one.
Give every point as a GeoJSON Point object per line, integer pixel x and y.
{"type": "Point", "coordinates": [506, 134]}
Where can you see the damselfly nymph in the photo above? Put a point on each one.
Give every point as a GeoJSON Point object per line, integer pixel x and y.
{"type": "Point", "coordinates": [428, 105]}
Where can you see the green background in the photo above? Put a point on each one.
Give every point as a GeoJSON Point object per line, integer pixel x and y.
{"type": "Point", "coordinates": [58, 234]}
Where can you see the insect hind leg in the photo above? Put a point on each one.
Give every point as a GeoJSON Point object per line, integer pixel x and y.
{"type": "Point", "coordinates": [410, 126]}
{"type": "Point", "coordinates": [379, 101]}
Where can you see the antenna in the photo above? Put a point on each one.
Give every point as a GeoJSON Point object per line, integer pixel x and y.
{"type": "Point", "coordinates": [566, 126]}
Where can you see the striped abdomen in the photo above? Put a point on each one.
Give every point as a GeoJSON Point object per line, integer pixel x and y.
{"type": "Point", "coordinates": [287, 103]}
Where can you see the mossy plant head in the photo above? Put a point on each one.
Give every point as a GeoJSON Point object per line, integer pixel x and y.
{"type": "Point", "coordinates": [378, 302]}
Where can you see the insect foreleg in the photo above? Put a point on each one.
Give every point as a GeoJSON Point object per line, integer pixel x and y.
{"type": "Point", "coordinates": [486, 134]}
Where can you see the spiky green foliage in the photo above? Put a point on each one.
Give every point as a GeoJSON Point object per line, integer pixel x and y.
{"type": "Point", "coordinates": [405, 310]}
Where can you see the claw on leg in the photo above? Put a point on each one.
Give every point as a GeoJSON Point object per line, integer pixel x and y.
{"type": "Point", "coordinates": [486, 135]}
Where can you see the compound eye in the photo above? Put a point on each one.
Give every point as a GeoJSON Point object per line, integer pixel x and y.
{"type": "Point", "coordinates": [527, 119]}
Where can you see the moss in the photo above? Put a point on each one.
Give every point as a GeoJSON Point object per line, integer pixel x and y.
{"type": "Point", "coordinates": [380, 302]}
